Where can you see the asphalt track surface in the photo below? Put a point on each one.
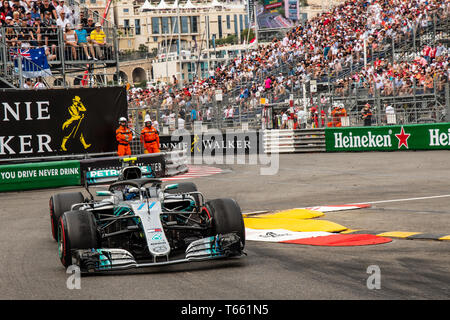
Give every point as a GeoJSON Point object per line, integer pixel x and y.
{"type": "Point", "coordinates": [410, 269]}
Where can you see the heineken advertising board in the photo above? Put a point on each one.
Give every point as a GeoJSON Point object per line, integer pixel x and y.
{"type": "Point", "coordinates": [389, 138]}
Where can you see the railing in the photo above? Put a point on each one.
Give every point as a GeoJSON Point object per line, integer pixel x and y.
{"type": "Point", "coordinates": [64, 58]}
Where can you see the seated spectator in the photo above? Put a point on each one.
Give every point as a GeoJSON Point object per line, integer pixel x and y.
{"type": "Point", "coordinates": [34, 13]}
{"type": "Point", "coordinates": [84, 43]}
{"type": "Point", "coordinates": [39, 84]}
{"type": "Point", "coordinates": [10, 35]}
{"type": "Point", "coordinates": [98, 39]}
{"type": "Point", "coordinates": [71, 40]}
{"type": "Point", "coordinates": [19, 6]}
{"type": "Point", "coordinates": [28, 84]}
{"type": "Point", "coordinates": [5, 11]}
{"type": "Point", "coordinates": [62, 20]}
{"type": "Point", "coordinates": [90, 26]}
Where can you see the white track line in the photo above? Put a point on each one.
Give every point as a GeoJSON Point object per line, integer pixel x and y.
{"type": "Point", "coordinates": [406, 199]}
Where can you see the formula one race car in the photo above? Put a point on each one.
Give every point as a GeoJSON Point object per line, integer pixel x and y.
{"type": "Point", "coordinates": [140, 223]}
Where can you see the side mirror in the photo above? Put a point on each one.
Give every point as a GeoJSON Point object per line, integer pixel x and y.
{"type": "Point", "coordinates": [104, 193]}
{"type": "Point", "coordinates": [171, 186]}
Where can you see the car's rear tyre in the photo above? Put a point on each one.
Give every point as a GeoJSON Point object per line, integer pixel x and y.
{"type": "Point", "coordinates": [60, 203]}
{"type": "Point", "coordinates": [185, 187]}
{"type": "Point", "coordinates": [76, 230]}
{"type": "Point", "coordinates": [226, 217]}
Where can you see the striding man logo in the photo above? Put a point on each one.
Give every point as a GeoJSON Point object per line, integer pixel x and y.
{"type": "Point", "coordinates": [72, 126]}
{"type": "Point", "coordinates": [195, 144]}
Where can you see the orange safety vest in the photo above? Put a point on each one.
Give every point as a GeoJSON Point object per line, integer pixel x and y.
{"type": "Point", "coordinates": [121, 134]}
{"type": "Point", "coordinates": [150, 139]}
{"type": "Point", "coordinates": [149, 135]}
{"type": "Point", "coordinates": [123, 149]}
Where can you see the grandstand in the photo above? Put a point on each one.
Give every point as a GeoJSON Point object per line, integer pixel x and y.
{"type": "Point", "coordinates": [345, 52]}
{"type": "Point", "coordinates": [385, 53]}
{"type": "Point", "coordinates": [36, 29]}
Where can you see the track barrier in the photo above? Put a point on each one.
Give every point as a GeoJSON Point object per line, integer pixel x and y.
{"type": "Point", "coordinates": [434, 136]}
{"type": "Point", "coordinates": [53, 174]}
{"type": "Point", "coordinates": [39, 175]}
{"type": "Point", "coordinates": [294, 141]}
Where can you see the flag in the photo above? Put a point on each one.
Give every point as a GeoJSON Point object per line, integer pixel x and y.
{"type": "Point", "coordinates": [34, 62]}
{"type": "Point", "coordinates": [253, 40]}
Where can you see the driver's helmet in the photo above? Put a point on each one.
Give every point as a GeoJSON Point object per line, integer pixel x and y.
{"type": "Point", "coordinates": [131, 193]}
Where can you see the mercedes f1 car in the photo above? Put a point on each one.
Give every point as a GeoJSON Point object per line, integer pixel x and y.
{"type": "Point", "coordinates": [141, 223]}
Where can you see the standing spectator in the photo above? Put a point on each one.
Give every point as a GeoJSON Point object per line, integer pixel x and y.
{"type": "Point", "coordinates": [47, 6]}
{"type": "Point", "coordinates": [366, 115]}
{"type": "Point", "coordinates": [98, 39]}
{"type": "Point", "coordinates": [180, 121]}
{"type": "Point", "coordinates": [83, 42]}
{"type": "Point", "coordinates": [302, 118]}
{"type": "Point", "coordinates": [82, 19]}
{"type": "Point", "coordinates": [390, 112]}
{"type": "Point", "coordinates": [193, 115]}
{"type": "Point", "coordinates": [35, 33]}
{"type": "Point", "coordinates": [62, 7]}
{"type": "Point", "coordinates": [50, 34]}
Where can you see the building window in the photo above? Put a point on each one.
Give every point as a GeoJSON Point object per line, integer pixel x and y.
{"type": "Point", "coordinates": [126, 26]}
{"type": "Point", "coordinates": [194, 24]}
{"type": "Point", "coordinates": [235, 25]}
{"type": "Point", "coordinates": [126, 10]}
{"type": "Point", "coordinates": [246, 21]}
{"type": "Point", "coordinates": [174, 25]}
{"type": "Point", "coordinates": [155, 25]}
{"type": "Point", "coordinates": [93, 1]}
{"type": "Point", "coordinates": [219, 25]}
{"type": "Point", "coordinates": [184, 25]}
{"type": "Point", "coordinates": [228, 22]}
{"type": "Point", "coordinates": [137, 26]}
{"type": "Point", "coordinates": [165, 25]}
{"type": "Point", "coordinates": [241, 23]}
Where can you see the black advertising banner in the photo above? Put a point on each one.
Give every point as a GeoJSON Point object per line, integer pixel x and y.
{"type": "Point", "coordinates": [39, 123]}
{"type": "Point", "coordinates": [248, 142]}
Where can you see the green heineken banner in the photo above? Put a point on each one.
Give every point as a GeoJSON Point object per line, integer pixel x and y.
{"type": "Point", "coordinates": [39, 175]}
{"type": "Point", "coordinates": [389, 138]}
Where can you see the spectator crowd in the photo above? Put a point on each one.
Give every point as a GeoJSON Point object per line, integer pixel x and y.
{"type": "Point", "coordinates": [35, 23]}
{"type": "Point", "coordinates": [328, 47]}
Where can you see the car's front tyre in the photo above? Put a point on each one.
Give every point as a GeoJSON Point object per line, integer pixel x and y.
{"type": "Point", "coordinates": [60, 203]}
{"type": "Point", "coordinates": [76, 230]}
{"type": "Point", "coordinates": [226, 217]}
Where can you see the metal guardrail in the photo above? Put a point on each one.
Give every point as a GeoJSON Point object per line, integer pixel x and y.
{"type": "Point", "coordinates": [65, 61]}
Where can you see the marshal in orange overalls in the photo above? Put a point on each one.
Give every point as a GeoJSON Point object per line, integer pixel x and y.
{"type": "Point", "coordinates": [123, 137]}
{"type": "Point", "coordinates": [150, 139]}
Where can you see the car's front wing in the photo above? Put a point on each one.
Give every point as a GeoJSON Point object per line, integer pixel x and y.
{"type": "Point", "coordinates": [110, 259]}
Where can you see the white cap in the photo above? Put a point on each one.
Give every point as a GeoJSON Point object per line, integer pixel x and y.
{"type": "Point", "coordinates": [121, 119]}
{"type": "Point", "coordinates": [147, 118]}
